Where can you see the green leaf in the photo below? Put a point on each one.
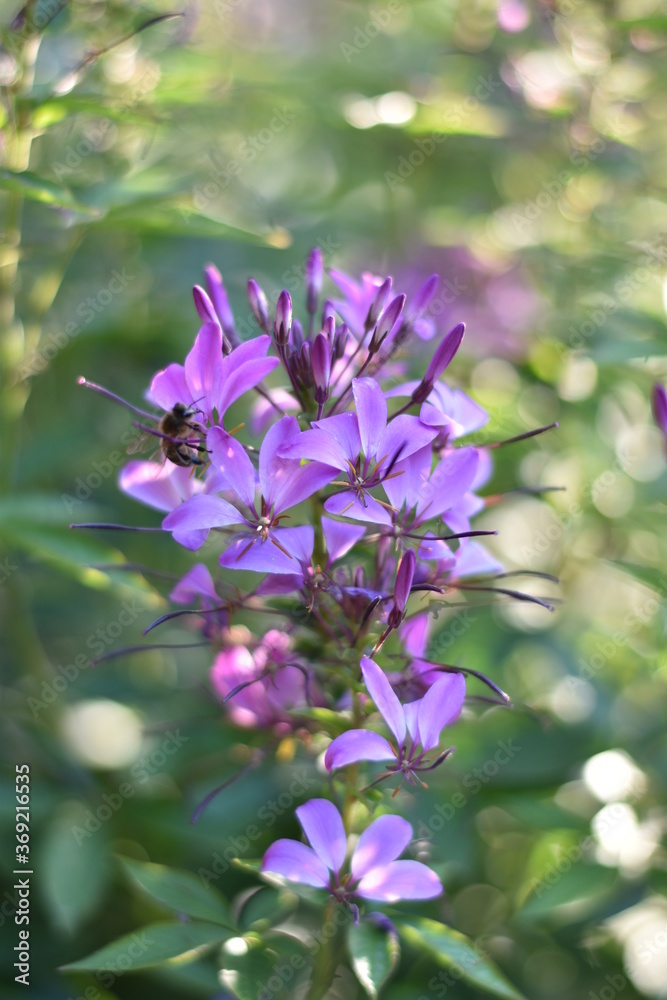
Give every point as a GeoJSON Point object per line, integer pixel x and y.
{"type": "Point", "coordinates": [374, 954]}
{"type": "Point", "coordinates": [151, 945]}
{"type": "Point", "coordinates": [452, 950]}
{"type": "Point", "coordinates": [258, 971]}
{"type": "Point", "coordinates": [179, 890]}
{"type": "Point", "coordinates": [73, 869]}
{"type": "Point", "coordinates": [38, 189]}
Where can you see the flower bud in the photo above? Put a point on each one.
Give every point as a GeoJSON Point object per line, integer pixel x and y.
{"type": "Point", "coordinates": [321, 367]}
{"type": "Point", "coordinates": [378, 304]}
{"type": "Point", "coordinates": [340, 342]}
{"type": "Point", "coordinates": [422, 299]}
{"type": "Point", "coordinates": [283, 321]}
{"type": "Point", "coordinates": [258, 304]}
{"type": "Point", "coordinates": [386, 323]}
{"type": "Point", "coordinates": [440, 360]}
{"type": "Point", "coordinates": [219, 298]}
{"type": "Point", "coordinates": [203, 305]}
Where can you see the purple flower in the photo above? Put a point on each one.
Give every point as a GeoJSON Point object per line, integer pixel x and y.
{"type": "Point", "coordinates": [416, 726]}
{"type": "Point", "coordinates": [265, 683]}
{"type": "Point", "coordinates": [283, 483]}
{"type": "Point", "coordinates": [374, 871]}
{"type": "Point", "coordinates": [363, 445]}
{"type": "Point", "coordinates": [209, 381]}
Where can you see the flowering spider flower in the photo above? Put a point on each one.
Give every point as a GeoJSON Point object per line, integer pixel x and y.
{"type": "Point", "coordinates": [362, 444]}
{"type": "Point", "coordinates": [374, 874]}
{"type": "Point", "coordinates": [283, 482]}
{"type": "Point", "coordinates": [421, 721]}
{"type": "Point", "coordinates": [260, 687]}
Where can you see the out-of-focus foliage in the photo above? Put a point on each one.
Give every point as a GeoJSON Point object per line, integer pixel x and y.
{"type": "Point", "coordinates": [516, 148]}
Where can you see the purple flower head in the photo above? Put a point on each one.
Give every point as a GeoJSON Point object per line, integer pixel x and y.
{"type": "Point", "coordinates": [362, 445]}
{"type": "Point", "coordinates": [258, 304]}
{"type": "Point", "coordinates": [659, 405]}
{"type": "Point", "coordinates": [314, 276]}
{"type": "Point", "coordinates": [416, 726]}
{"type": "Point", "coordinates": [283, 483]}
{"type": "Point", "coordinates": [208, 381]}
{"type": "Point", "coordinates": [374, 874]}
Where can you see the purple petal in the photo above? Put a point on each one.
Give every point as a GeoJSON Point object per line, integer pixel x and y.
{"type": "Point", "coordinates": [400, 880]}
{"type": "Point", "coordinates": [340, 537]}
{"type": "Point", "coordinates": [404, 436]}
{"type": "Point", "coordinates": [316, 444]}
{"type": "Point", "coordinates": [383, 695]}
{"type": "Point", "coordinates": [355, 745]}
{"type": "Point", "coordinates": [414, 634]}
{"type": "Point", "coordinates": [200, 514]}
{"type": "Point", "coordinates": [231, 460]}
{"type": "Point", "coordinates": [203, 367]}
{"type": "Point", "coordinates": [371, 407]}
{"type": "Point", "coordinates": [242, 379]}
{"type": "Point", "coordinates": [284, 481]}
{"type": "Point", "coordinates": [412, 720]}
{"type": "Point", "coordinates": [296, 862]}
{"type": "Point", "coordinates": [384, 841]}
{"type": "Point", "coordinates": [344, 428]}
{"type": "Point", "coordinates": [169, 387]}
{"type": "Point", "coordinates": [161, 486]}
{"type": "Point", "coordinates": [451, 478]}
{"type": "Point", "coordinates": [323, 826]}
{"type": "Point", "coordinates": [197, 582]}
{"type": "Point", "coordinates": [345, 504]}
{"type": "Point", "coordinates": [265, 557]}
{"type": "Point", "coordinates": [472, 559]}
{"type": "Point", "coordinates": [440, 706]}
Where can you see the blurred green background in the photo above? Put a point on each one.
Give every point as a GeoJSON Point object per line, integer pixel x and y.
{"type": "Point", "coordinates": [519, 150]}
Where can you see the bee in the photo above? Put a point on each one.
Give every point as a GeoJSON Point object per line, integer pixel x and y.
{"type": "Point", "coordinates": [175, 431]}
{"type": "Point", "coordinates": [180, 436]}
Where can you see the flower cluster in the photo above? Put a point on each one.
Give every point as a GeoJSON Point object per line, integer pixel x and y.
{"type": "Point", "coordinates": [346, 488]}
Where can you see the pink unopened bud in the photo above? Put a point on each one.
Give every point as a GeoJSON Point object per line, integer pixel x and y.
{"type": "Point", "coordinates": [386, 323]}
{"type": "Point", "coordinates": [378, 304]}
{"type": "Point", "coordinates": [440, 360]}
{"type": "Point", "coordinates": [219, 298]}
{"type": "Point", "coordinates": [659, 405]}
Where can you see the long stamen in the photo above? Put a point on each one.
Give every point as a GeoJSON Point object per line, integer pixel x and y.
{"type": "Point", "coordinates": [521, 437]}
{"type": "Point", "coordinates": [116, 399]}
